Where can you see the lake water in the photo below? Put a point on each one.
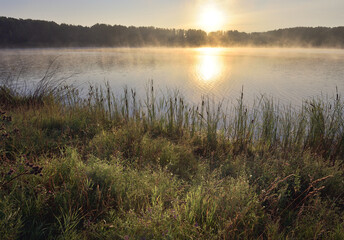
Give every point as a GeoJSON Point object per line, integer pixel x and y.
{"type": "Point", "coordinates": [288, 75]}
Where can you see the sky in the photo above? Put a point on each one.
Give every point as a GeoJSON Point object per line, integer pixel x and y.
{"type": "Point", "coordinates": [241, 15]}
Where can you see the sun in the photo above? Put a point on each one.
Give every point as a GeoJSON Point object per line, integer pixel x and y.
{"type": "Point", "coordinates": [211, 19]}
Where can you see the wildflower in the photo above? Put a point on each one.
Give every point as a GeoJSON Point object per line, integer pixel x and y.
{"type": "Point", "coordinates": [165, 233]}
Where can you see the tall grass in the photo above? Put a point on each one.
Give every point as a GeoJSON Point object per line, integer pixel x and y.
{"type": "Point", "coordinates": [112, 166]}
{"type": "Point", "coordinates": [317, 125]}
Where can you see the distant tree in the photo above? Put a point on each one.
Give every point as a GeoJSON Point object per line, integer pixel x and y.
{"type": "Point", "coordinates": [36, 33]}
{"type": "Point", "coordinates": [196, 38]}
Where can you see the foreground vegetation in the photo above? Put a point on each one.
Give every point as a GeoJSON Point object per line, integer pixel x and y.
{"type": "Point", "coordinates": [115, 167]}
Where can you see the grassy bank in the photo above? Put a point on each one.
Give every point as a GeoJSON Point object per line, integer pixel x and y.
{"type": "Point", "coordinates": [118, 167]}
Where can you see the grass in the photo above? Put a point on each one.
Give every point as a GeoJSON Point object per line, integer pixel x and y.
{"type": "Point", "coordinates": [116, 167]}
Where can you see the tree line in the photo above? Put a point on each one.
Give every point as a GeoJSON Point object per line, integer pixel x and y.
{"type": "Point", "coordinates": [37, 33]}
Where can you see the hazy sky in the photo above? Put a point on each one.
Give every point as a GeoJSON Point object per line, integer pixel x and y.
{"type": "Point", "coordinates": [242, 15]}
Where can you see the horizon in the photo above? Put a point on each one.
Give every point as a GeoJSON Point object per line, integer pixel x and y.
{"type": "Point", "coordinates": [170, 28]}
{"type": "Point", "coordinates": [210, 16]}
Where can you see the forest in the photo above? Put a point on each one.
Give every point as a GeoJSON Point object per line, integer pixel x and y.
{"type": "Point", "coordinates": [37, 33]}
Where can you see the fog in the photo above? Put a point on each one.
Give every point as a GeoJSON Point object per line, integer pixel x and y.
{"type": "Point", "coordinates": [287, 75]}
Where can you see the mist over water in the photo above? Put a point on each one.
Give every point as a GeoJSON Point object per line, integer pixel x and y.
{"type": "Point", "coordinates": [287, 75]}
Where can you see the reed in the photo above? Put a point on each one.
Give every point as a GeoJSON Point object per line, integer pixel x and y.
{"type": "Point", "coordinates": [317, 125]}
{"type": "Point", "coordinates": [103, 165]}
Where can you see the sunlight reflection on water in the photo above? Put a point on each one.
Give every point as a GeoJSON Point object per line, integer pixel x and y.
{"type": "Point", "coordinates": [209, 66]}
{"type": "Point", "coordinates": [288, 75]}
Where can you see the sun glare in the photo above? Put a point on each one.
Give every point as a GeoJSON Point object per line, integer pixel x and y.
{"type": "Point", "coordinates": [211, 19]}
{"type": "Point", "coordinates": [209, 67]}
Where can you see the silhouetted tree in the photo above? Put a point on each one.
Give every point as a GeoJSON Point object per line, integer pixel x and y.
{"type": "Point", "coordinates": [36, 33]}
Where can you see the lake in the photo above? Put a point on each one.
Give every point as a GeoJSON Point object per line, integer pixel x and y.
{"type": "Point", "coordinates": [287, 75]}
